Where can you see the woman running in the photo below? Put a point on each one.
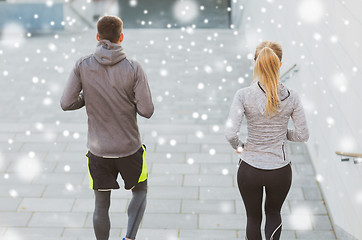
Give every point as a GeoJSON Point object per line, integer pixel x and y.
{"type": "Point", "coordinates": [267, 105]}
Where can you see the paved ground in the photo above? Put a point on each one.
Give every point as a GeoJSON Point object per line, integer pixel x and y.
{"type": "Point", "coordinates": [192, 194]}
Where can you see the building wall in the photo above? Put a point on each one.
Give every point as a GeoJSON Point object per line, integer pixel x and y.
{"type": "Point", "coordinates": [328, 52]}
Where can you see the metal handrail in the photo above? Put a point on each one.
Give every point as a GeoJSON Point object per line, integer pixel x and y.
{"type": "Point", "coordinates": [290, 69]}
{"type": "Point", "coordinates": [348, 154]}
{"type": "Point", "coordinates": [76, 12]}
{"type": "Point", "coordinates": [345, 157]}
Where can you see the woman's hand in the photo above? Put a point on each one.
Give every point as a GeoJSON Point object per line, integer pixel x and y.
{"type": "Point", "coordinates": [240, 149]}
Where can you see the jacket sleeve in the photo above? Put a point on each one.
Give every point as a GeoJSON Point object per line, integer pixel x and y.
{"type": "Point", "coordinates": [234, 121]}
{"type": "Point", "coordinates": [300, 133]}
{"type": "Point", "coordinates": [142, 92]}
{"type": "Point", "coordinates": [73, 98]}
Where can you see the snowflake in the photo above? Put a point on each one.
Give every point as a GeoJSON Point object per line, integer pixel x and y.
{"type": "Point", "coordinates": [311, 11]}
{"type": "Point", "coordinates": [185, 11]}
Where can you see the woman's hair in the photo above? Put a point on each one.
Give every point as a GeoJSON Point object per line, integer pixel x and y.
{"type": "Point", "coordinates": [110, 28]}
{"type": "Point", "coordinates": [268, 56]}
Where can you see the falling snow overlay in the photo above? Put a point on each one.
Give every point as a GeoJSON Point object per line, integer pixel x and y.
{"type": "Point", "coordinates": [196, 58]}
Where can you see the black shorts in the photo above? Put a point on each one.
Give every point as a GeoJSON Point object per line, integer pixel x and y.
{"type": "Point", "coordinates": [103, 172]}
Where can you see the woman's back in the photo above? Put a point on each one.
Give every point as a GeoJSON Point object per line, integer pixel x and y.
{"type": "Point", "coordinates": [265, 147]}
{"type": "Point", "coordinates": [264, 130]}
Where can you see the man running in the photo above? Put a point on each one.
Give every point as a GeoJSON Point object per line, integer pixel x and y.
{"type": "Point", "coordinates": [113, 89]}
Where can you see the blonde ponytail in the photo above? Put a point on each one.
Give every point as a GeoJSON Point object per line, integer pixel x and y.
{"type": "Point", "coordinates": [268, 56]}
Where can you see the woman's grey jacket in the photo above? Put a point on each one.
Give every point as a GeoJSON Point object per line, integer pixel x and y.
{"type": "Point", "coordinates": [265, 147]}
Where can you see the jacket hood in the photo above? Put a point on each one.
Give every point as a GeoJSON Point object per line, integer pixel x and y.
{"type": "Point", "coordinates": [283, 94]}
{"type": "Point", "coordinates": [108, 53]}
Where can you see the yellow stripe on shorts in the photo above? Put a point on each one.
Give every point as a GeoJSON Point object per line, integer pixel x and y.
{"type": "Point", "coordinates": [143, 176]}
{"type": "Point", "coordinates": [89, 174]}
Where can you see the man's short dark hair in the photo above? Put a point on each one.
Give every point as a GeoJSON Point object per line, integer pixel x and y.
{"type": "Point", "coordinates": [110, 28]}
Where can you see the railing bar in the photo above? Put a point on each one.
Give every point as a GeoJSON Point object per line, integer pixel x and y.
{"type": "Point", "coordinates": [290, 69]}
{"type": "Point", "coordinates": [75, 11]}
{"type": "Point", "coordinates": [347, 154]}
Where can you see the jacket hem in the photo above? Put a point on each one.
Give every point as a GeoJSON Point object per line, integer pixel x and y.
{"type": "Point", "coordinates": [118, 155]}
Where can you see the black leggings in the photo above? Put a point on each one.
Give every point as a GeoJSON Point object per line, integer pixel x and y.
{"type": "Point", "coordinates": [251, 182]}
{"type": "Point", "coordinates": [136, 209]}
